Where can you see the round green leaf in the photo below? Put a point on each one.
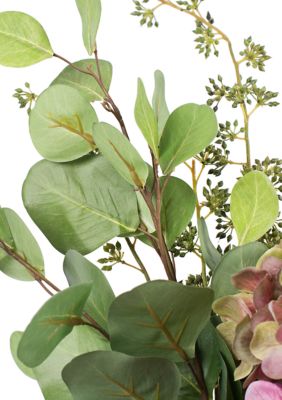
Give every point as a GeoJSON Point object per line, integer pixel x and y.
{"type": "Point", "coordinates": [52, 323]}
{"type": "Point", "coordinates": [81, 340]}
{"type": "Point", "coordinates": [159, 318]}
{"type": "Point", "coordinates": [111, 375]}
{"type": "Point", "coordinates": [189, 129]}
{"type": "Point", "coordinates": [79, 270]}
{"type": "Point", "coordinates": [117, 149]}
{"type": "Point", "coordinates": [232, 263]}
{"type": "Point", "coordinates": [80, 205]}
{"type": "Point", "coordinates": [254, 206]}
{"type": "Point", "coordinates": [15, 234]}
{"type": "Point", "coordinates": [61, 124]}
{"type": "Point", "coordinates": [23, 41]}
{"type": "Point", "coordinates": [86, 84]}
{"type": "Point", "coordinates": [14, 344]}
{"type": "Point", "coordinates": [178, 205]}
{"type": "Point", "coordinates": [90, 12]}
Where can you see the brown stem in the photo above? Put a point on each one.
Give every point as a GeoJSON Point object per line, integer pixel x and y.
{"type": "Point", "coordinates": [110, 104]}
{"type": "Point", "coordinates": [138, 259]}
{"type": "Point", "coordinates": [43, 281]}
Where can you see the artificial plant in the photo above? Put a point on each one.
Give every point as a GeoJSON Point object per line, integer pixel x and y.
{"type": "Point", "coordinates": [195, 339]}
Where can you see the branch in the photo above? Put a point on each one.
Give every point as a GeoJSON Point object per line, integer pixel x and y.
{"type": "Point", "coordinates": [137, 259]}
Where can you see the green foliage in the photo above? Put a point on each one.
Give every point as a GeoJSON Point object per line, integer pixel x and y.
{"type": "Point", "coordinates": [254, 54]}
{"type": "Point", "coordinates": [231, 263]}
{"type": "Point", "coordinates": [61, 124]}
{"type": "Point", "coordinates": [23, 41]}
{"type": "Point", "coordinates": [121, 154]}
{"type": "Point", "coordinates": [25, 97]}
{"type": "Point", "coordinates": [90, 12]}
{"type": "Point", "coordinates": [95, 204]}
{"type": "Point", "coordinates": [211, 255]}
{"type": "Point", "coordinates": [146, 15]}
{"type": "Point", "coordinates": [52, 323]}
{"type": "Point", "coordinates": [169, 317]}
{"type": "Point", "coordinates": [186, 242]}
{"type": "Point", "coordinates": [189, 129]}
{"type": "Point", "coordinates": [21, 244]}
{"type": "Point", "coordinates": [159, 101]}
{"type": "Point", "coordinates": [207, 41]}
{"type": "Point", "coordinates": [84, 83]}
{"type": "Point", "coordinates": [250, 216]}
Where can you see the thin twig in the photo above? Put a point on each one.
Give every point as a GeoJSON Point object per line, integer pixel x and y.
{"type": "Point", "coordinates": [138, 259]}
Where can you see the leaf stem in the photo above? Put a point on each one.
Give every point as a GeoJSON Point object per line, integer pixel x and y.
{"type": "Point", "coordinates": [138, 259]}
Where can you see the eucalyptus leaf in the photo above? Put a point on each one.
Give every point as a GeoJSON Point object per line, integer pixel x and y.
{"type": "Point", "coordinates": [79, 270]}
{"type": "Point", "coordinates": [177, 209]}
{"type": "Point", "coordinates": [87, 199]}
{"type": "Point", "coordinates": [159, 318]}
{"type": "Point", "coordinates": [52, 323]}
{"type": "Point", "coordinates": [111, 375]}
{"type": "Point", "coordinates": [14, 344]}
{"type": "Point", "coordinates": [189, 388]}
{"type": "Point", "coordinates": [159, 102]}
{"type": "Point", "coordinates": [211, 255]}
{"type": "Point", "coordinates": [23, 41]}
{"type": "Point", "coordinates": [61, 124]}
{"type": "Point", "coordinates": [189, 129]}
{"type": "Point", "coordinates": [254, 206]}
{"type": "Point", "coordinates": [121, 154]}
{"type": "Point", "coordinates": [146, 119]}
{"type": "Point", "coordinates": [86, 84]}
{"type": "Point", "coordinates": [90, 12]}
{"type": "Point", "coordinates": [233, 262]}
{"type": "Point", "coordinates": [15, 234]}
{"type": "Point", "coordinates": [82, 339]}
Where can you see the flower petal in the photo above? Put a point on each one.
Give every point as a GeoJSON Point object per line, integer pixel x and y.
{"type": "Point", "coordinates": [264, 292]}
{"type": "Point", "coordinates": [243, 370]}
{"type": "Point", "coordinates": [272, 364]}
{"type": "Point", "coordinates": [264, 339]}
{"type": "Point", "coordinates": [227, 330]}
{"type": "Point", "coordinates": [262, 390]}
{"type": "Point", "coordinates": [260, 316]}
{"type": "Point", "coordinates": [275, 307]}
{"type": "Point", "coordinates": [231, 308]}
{"type": "Point", "coordinates": [248, 279]}
{"type": "Point", "coordinates": [242, 340]}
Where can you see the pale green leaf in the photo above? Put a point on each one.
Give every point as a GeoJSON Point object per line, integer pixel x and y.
{"type": "Point", "coordinates": [117, 149]}
{"type": "Point", "coordinates": [86, 84]}
{"type": "Point", "coordinates": [159, 102]}
{"type": "Point", "coordinates": [79, 270]}
{"type": "Point", "coordinates": [189, 129]}
{"type": "Point", "coordinates": [211, 255]}
{"type": "Point", "coordinates": [14, 344]}
{"type": "Point", "coordinates": [61, 124]}
{"type": "Point", "coordinates": [111, 376]}
{"type": "Point", "coordinates": [15, 234]}
{"type": "Point", "coordinates": [52, 323]}
{"type": "Point", "coordinates": [159, 319]}
{"type": "Point", "coordinates": [254, 206]}
{"type": "Point", "coordinates": [23, 41]}
{"type": "Point", "coordinates": [146, 119]}
{"type": "Point", "coordinates": [86, 198]}
{"type": "Point", "coordinates": [90, 12]}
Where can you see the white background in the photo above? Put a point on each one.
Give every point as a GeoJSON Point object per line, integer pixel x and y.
{"type": "Point", "coordinates": [134, 52]}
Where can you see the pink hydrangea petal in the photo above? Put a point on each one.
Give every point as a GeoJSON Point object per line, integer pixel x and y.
{"type": "Point", "coordinates": [272, 265]}
{"type": "Point", "coordinates": [231, 308]}
{"type": "Point", "coordinates": [241, 343]}
{"type": "Point", "coordinates": [279, 334]}
{"type": "Point", "coordinates": [275, 307]}
{"type": "Point", "coordinates": [262, 390]}
{"type": "Point", "coordinates": [264, 292]}
{"type": "Point", "coordinates": [248, 279]}
{"type": "Point", "coordinates": [272, 364]}
{"type": "Point", "coordinates": [260, 316]}
{"type": "Point", "coordinates": [256, 375]}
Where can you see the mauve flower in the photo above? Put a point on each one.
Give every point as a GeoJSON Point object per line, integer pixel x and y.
{"type": "Point", "coordinates": [262, 390]}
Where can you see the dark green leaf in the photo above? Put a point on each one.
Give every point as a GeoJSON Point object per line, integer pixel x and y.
{"type": "Point", "coordinates": [160, 318]}
{"type": "Point", "coordinates": [111, 375]}
{"type": "Point", "coordinates": [233, 262]}
{"type": "Point", "coordinates": [86, 84]}
{"type": "Point", "coordinates": [211, 256]}
{"type": "Point", "coordinates": [87, 199]}
{"type": "Point", "coordinates": [79, 270]}
{"type": "Point", "coordinates": [52, 323]}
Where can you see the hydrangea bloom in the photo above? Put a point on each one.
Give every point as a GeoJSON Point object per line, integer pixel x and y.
{"type": "Point", "coordinates": [262, 390]}
{"type": "Point", "coordinates": [252, 319]}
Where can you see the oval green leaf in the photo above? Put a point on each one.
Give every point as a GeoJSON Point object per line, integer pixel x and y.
{"type": "Point", "coordinates": [86, 198]}
{"type": "Point", "coordinates": [159, 102]}
{"type": "Point", "coordinates": [117, 149]}
{"type": "Point", "coordinates": [90, 12]}
{"type": "Point", "coordinates": [232, 263]}
{"type": "Point", "coordinates": [52, 323]}
{"type": "Point", "coordinates": [111, 375]}
{"type": "Point", "coordinates": [15, 234]}
{"type": "Point", "coordinates": [189, 129]}
{"type": "Point", "coordinates": [177, 209]}
{"type": "Point", "coordinates": [61, 124]}
{"type": "Point", "coordinates": [79, 270]}
{"type": "Point", "coordinates": [86, 84]}
{"type": "Point", "coordinates": [146, 119]}
{"type": "Point", "coordinates": [254, 206]}
{"type": "Point", "coordinates": [159, 319]}
{"type": "Point", "coordinates": [23, 41]}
